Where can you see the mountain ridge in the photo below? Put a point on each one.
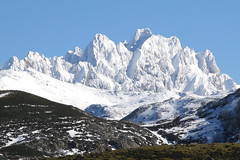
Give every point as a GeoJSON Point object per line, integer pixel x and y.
{"type": "Point", "coordinates": [147, 63]}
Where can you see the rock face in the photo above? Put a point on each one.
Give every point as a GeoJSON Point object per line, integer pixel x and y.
{"type": "Point", "coordinates": [147, 62]}
{"type": "Point", "coordinates": [51, 129]}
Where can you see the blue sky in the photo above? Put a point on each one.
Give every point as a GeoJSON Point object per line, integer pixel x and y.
{"type": "Point", "coordinates": [52, 27]}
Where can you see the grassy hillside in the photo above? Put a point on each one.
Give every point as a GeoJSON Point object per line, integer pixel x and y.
{"type": "Point", "coordinates": [228, 151]}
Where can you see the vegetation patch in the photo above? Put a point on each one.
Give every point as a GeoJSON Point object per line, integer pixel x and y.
{"type": "Point", "coordinates": [226, 151]}
{"type": "Point", "coordinates": [20, 150]}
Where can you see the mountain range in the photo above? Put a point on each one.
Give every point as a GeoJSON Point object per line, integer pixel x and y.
{"type": "Point", "coordinates": [123, 76]}
{"type": "Point", "coordinates": [146, 63]}
{"type": "Point", "coordinates": [176, 93]}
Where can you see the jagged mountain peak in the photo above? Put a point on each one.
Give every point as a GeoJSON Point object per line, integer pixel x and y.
{"type": "Point", "coordinates": [101, 48]}
{"type": "Point", "coordinates": [140, 36]}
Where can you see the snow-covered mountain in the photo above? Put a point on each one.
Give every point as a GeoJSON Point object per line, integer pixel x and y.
{"type": "Point", "coordinates": [147, 62]}
{"type": "Point", "coordinates": [111, 80]}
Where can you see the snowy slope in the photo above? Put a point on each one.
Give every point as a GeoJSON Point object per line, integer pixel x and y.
{"type": "Point", "coordinates": [119, 104]}
{"type": "Point", "coordinates": [50, 88]}
{"type": "Point", "coordinates": [147, 62]}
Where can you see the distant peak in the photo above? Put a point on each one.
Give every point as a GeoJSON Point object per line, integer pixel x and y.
{"type": "Point", "coordinates": [140, 36]}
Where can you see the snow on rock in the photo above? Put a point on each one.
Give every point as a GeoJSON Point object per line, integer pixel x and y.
{"type": "Point", "coordinates": [14, 139]}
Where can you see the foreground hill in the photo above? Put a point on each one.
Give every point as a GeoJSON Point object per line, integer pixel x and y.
{"type": "Point", "coordinates": [228, 151]}
{"type": "Point", "coordinates": [31, 126]}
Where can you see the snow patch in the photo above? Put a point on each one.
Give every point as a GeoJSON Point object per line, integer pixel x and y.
{"type": "Point", "coordinates": [4, 94]}
{"type": "Point", "coordinates": [18, 139]}
{"type": "Point", "coordinates": [73, 133]}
